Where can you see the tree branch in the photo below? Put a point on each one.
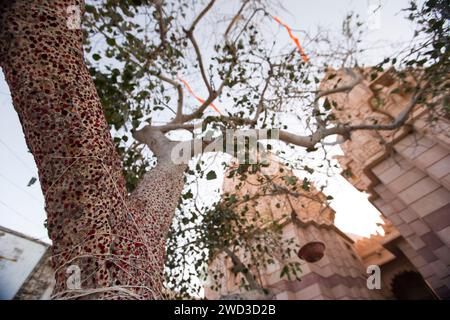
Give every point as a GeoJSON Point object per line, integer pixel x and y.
{"type": "Point", "coordinates": [307, 141]}
{"type": "Point", "coordinates": [191, 37]}
{"type": "Point", "coordinates": [201, 15]}
{"type": "Point", "coordinates": [240, 267]}
{"type": "Point", "coordinates": [356, 79]}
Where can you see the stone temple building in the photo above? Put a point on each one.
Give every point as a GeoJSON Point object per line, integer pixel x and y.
{"type": "Point", "coordinates": [407, 174]}
{"type": "Point", "coordinates": [400, 278]}
{"type": "Point", "coordinates": [340, 274]}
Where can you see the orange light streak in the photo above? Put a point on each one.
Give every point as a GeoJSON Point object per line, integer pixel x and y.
{"type": "Point", "coordinates": [197, 97]}
{"type": "Point", "coordinates": [294, 38]}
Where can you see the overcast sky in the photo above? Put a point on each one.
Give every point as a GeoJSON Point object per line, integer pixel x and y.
{"type": "Point", "coordinates": [22, 207]}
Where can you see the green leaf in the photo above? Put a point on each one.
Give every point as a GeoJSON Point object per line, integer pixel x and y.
{"type": "Point", "coordinates": [211, 175]}
{"type": "Point", "coordinates": [284, 271]}
{"type": "Point", "coordinates": [308, 169]}
{"type": "Point", "coordinates": [111, 41]}
{"type": "Point", "coordinates": [31, 182]}
{"type": "Point", "coordinates": [311, 149]}
{"type": "Point", "coordinates": [306, 184]}
{"type": "Point", "coordinates": [331, 76]}
{"type": "Point", "coordinates": [290, 180]}
{"type": "Point", "coordinates": [96, 56]}
{"type": "Point", "coordinates": [188, 195]}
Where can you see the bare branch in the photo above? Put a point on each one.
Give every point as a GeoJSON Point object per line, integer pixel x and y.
{"type": "Point", "coordinates": [162, 26]}
{"type": "Point", "coordinates": [179, 89]}
{"type": "Point", "coordinates": [398, 122]}
{"type": "Point", "coordinates": [250, 19]}
{"type": "Point", "coordinates": [235, 19]}
{"type": "Point", "coordinates": [191, 37]}
{"type": "Point", "coordinates": [201, 15]}
{"type": "Point", "coordinates": [356, 79]}
{"type": "Point", "coordinates": [307, 141]}
{"type": "Point", "coordinates": [214, 94]}
{"type": "Point", "coordinates": [345, 130]}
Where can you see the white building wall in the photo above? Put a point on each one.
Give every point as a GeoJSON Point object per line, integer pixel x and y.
{"type": "Point", "coordinates": [18, 257]}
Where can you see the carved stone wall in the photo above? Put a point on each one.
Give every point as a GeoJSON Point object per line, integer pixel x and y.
{"type": "Point", "coordinates": [407, 173]}
{"type": "Point", "coordinates": [340, 274]}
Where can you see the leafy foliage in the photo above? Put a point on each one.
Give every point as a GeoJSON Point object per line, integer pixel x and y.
{"type": "Point", "coordinates": [232, 224]}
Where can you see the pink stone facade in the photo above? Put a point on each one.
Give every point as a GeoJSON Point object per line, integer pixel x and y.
{"type": "Point", "coordinates": [340, 274]}
{"type": "Point", "coordinates": [407, 173]}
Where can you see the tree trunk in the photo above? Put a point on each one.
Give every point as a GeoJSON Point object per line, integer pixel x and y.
{"type": "Point", "coordinates": [116, 241]}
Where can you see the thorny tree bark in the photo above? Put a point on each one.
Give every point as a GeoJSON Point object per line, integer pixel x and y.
{"type": "Point", "coordinates": [116, 240]}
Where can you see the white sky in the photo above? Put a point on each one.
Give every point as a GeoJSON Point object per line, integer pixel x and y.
{"type": "Point", "coordinates": [22, 207]}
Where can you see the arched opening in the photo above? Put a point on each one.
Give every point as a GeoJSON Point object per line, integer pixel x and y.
{"type": "Point", "coordinates": [410, 285]}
